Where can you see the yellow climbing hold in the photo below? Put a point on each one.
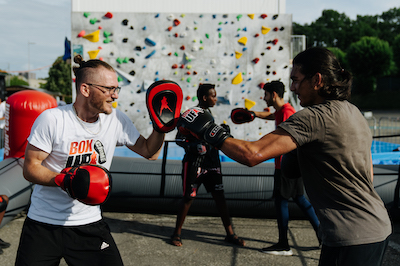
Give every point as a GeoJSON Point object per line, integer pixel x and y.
{"type": "Point", "coordinates": [114, 104]}
{"type": "Point", "coordinates": [238, 54]}
{"type": "Point", "coordinates": [243, 40]}
{"type": "Point", "coordinates": [93, 54]}
{"type": "Point", "coordinates": [93, 37]}
{"type": "Point", "coordinates": [265, 30]}
{"type": "Point", "coordinates": [249, 103]}
{"type": "Point", "coordinates": [251, 16]}
{"type": "Point", "coordinates": [237, 79]}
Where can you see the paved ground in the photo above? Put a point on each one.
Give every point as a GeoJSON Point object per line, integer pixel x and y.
{"type": "Point", "coordinates": [143, 239]}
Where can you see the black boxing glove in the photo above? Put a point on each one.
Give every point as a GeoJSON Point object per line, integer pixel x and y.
{"type": "Point", "coordinates": [201, 124]}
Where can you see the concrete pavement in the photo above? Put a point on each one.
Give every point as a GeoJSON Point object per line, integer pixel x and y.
{"type": "Point", "coordinates": [143, 239]}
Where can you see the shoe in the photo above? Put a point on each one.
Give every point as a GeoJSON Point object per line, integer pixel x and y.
{"type": "Point", "coordinates": [278, 249]}
{"type": "Point", "coordinates": [4, 244]}
{"type": "Point", "coordinates": [235, 240]}
{"type": "Point", "coordinates": [176, 240]}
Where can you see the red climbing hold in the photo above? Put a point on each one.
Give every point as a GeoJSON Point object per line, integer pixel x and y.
{"type": "Point", "coordinates": [182, 47]}
{"type": "Point", "coordinates": [261, 85]}
{"type": "Point", "coordinates": [176, 22]}
{"type": "Point", "coordinates": [169, 28]}
{"type": "Point", "coordinates": [108, 15]}
{"type": "Point", "coordinates": [174, 66]}
{"type": "Point", "coordinates": [82, 33]}
{"type": "Point", "coordinates": [263, 16]}
{"type": "Point", "coordinates": [255, 60]}
{"type": "Point", "coordinates": [275, 41]}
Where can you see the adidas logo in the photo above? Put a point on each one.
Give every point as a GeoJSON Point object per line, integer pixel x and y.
{"type": "Point", "coordinates": [104, 245]}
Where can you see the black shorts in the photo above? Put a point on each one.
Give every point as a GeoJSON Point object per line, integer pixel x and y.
{"type": "Point", "coordinates": [193, 176]}
{"type": "Point", "coordinates": [365, 255]}
{"type": "Point", "coordinates": [44, 244]}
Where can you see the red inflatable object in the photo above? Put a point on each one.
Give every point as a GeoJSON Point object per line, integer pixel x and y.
{"type": "Point", "coordinates": [22, 109]}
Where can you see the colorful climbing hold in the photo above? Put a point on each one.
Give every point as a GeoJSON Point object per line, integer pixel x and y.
{"type": "Point", "coordinates": [176, 22]}
{"type": "Point", "coordinates": [125, 22]}
{"type": "Point", "coordinates": [238, 17]}
{"type": "Point", "coordinates": [238, 79]}
{"type": "Point", "coordinates": [108, 15]}
{"type": "Point", "coordinates": [207, 35]}
{"type": "Point", "coordinates": [86, 14]}
{"type": "Point", "coordinates": [255, 60]}
{"type": "Point", "coordinates": [250, 16]}
{"type": "Point", "coordinates": [263, 16]}
{"type": "Point", "coordinates": [249, 103]}
{"type": "Point", "coordinates": [81, 33]}
{"type": "Point", "coordinates": [243, 40]}
{"type": "Point", "coordinates": [150, 54]}
{"type": "Point", "coordinates": [93, 54]}
{"type": "Point", "coordinates": [93, 37]}
{"type": "Point", "coordinates": [265, 30]}
{"type": "Point", "coordinates": [150, 42]}
{"type": "Point", "coordinates": [238, 54]}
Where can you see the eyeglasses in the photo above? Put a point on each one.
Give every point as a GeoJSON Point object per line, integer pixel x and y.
{"type": "Point", "coordinates": [112, 90]}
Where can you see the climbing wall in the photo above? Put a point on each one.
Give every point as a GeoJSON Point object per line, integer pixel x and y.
{"type": "Point", "coordinates": [236, 52]}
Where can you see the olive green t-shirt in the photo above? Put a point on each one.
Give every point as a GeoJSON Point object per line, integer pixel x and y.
{"type": "Point", "coordinates": [334, 143]}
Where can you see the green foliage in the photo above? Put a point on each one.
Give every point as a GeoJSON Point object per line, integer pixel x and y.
{"type": "Point", "coordinates": [59, 79]}
{"type": "Point", "coordinates": [340, 55]}
{"type": "Point", "coordinates": [396, 53]}
{"type": "Point", "coordinates": [335, 29]}
{"type": "Point", "coordinates": [368, 59]}
{"type": "Point", "coordinates": [16, 81]}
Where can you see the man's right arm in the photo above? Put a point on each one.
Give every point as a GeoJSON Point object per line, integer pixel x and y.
{"type": "Point", "coordinates": [33, 169]}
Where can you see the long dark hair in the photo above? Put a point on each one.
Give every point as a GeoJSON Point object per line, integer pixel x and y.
{"type": "Point", "coordinates": [337, 81]}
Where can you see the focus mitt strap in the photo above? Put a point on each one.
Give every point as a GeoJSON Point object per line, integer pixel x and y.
{"type": "Point", "coordinates": [164, 102]}
{"type": "Point", "coordinates": [242, 115]}
{"type": "Point", "coordinates": [90, 184]}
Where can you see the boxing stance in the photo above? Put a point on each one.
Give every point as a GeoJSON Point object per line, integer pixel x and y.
{"type": "Point", "coordinates": [68, 155]}
{"type": "Point", "coordinates": [201, 165]}
{"type": "Point", "coordinates": [333, 144]}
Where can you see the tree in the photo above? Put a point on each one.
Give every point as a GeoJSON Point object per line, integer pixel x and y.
{"type": "Point", "coordinates": [16, 81]}
{"type": "Point", "coordinates": [368, 59]}
{"type": "Point", "coordinates": [59, 79]}
{"type": "Point", "coordinates": [340, 55]}
{"type": "Point", "coordinates": [389, 25]}
{"type": "Point", "coordinates": [396, 53]}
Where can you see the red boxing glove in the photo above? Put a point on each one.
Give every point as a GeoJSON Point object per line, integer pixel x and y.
{"type": "Point", "coordinates": [164, 102]}
{"type": "Point", "coordinates": [242, 115]}
{"type": "Point", "coordinates": [90, 184]}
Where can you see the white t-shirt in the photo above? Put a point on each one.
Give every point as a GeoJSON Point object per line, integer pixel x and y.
{"type": "Point", "coordinates": [2, 114]}
{"type": "Point", "coordinates": [58, 132]}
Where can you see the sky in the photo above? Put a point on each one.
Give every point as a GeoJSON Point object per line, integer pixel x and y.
{"type": "Point", "coordinates": [33, 31]}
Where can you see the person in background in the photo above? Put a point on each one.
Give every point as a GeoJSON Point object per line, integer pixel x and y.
{"type": "Point", "coordinates": [333, 143]}
{"type": "Point", "coordinates": [201, 165]}
{"type": "Point", "coordinates": [284, 187]}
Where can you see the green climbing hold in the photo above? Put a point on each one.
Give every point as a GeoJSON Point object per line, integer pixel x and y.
{"type": "Point", "coordinates": [120, 79]}
{"type": "Point", "coordinates": [126, 60]}
{"type": "Point", "coordinates": [86, 14]}
{"type": "Point", "coordinates": [238, 17]}
{"type": "Point", "coordinates": [107, 40]}
{"type": "Point", "coordinates": [93, 20]}
{"type": "Point", "coordinates": [106, 34]}
{"type": "Point", "coordinates": [188, 79]}
{"type": "Point", "coordinates": [207, 36]}
{"type": "Point", "coordinates": [119, 60]}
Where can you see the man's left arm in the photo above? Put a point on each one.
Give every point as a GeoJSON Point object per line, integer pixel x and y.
{"type": "Point", "coordinates": [149, 148]}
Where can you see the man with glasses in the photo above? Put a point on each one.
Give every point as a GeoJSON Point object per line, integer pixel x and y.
{"type": "Point", "coordinates": [85, 132]}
